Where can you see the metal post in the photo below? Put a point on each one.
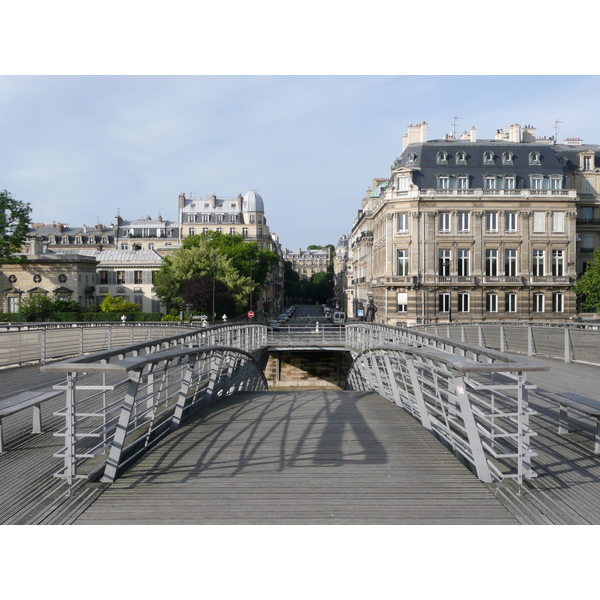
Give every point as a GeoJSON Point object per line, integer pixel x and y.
{"type": "Point", "coordinates": [116, 449]}
{"type": "Point", "coordinates": [479, 460]}
{"type": "Point", "coordinates": [567, 344]}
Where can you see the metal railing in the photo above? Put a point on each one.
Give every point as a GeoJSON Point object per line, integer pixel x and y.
{"type": "Point", "coordinates": [43, 342]}
{"type": "Point", "coordinates": [478, 409]}
{"type": "Point", "coordinates": [568, 341]}
{"type": "Point", "coordinates": [120, 402]}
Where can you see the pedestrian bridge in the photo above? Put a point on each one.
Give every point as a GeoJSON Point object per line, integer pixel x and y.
{"type": "Point", "coordinates": [477, 402]}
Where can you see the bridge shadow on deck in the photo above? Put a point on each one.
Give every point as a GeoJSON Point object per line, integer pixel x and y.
{"type": "Point", "coordinates": [239, 433]}
{"type": "Point", "coordinates": [309, 457]}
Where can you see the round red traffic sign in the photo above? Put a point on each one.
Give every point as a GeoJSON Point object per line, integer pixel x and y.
{"type": "Point", "coordinates": [250, 314]}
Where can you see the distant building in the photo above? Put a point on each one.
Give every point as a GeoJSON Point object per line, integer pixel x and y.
{"type": "Point", "coordinates": [59, 277]}
{"type": "Point", "coordinates": [244, 215]}
{"type": "Point", "coordinates": [128, 274]}
{"type": "Point", "coordinates": [308, 262]}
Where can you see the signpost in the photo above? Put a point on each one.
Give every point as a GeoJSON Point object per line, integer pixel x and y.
{"type": "Point", "coordinates": [250, 314]}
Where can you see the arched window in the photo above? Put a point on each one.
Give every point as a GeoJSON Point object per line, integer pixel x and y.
{"type": "Point", "coordinates": [442, 157]}
{"type": "Point", "coordinates": [461, 158]}
{"type": "Point", "coordinates": [488, 158]}
{"type": "Point", "coordinates": [507, 158]}
{"type": "Point", "coordinates": [411, 159]}
{"type": "Point", "coordinates": [534, 158]}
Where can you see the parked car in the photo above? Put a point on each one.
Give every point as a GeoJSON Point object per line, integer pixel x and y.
{"type": "Point", "coordinates": [339, 318]}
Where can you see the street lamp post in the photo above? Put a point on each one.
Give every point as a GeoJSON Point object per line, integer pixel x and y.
{"type": "Point", "coordinates": [252, 262]}
{"type": "Point", "coordinates": [214, 256]}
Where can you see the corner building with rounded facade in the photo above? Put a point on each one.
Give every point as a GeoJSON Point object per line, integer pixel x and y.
{"type": "Point", "coordinates": [467, 229]}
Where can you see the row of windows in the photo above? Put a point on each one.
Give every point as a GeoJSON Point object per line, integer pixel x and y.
{"type": "Point", "coordinates": [463, 222]}
{"type": "Point", "coordinates": [499, 182]}
{"type": "Point", "coordinates": [489, 158]}
{"type": "Point", "coordinates": [491, 302]}
{"type": "Point", "coordinates": [121, 277]}
{"type": "Point", "coordinates": [212, 218]}
{"type": "Point", "coordinates": [492, 262]}
{"type": "Point", "coordinates": [232, 231]}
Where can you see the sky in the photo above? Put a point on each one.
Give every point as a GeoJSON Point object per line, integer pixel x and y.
{"type": "Point", "coordinates": [81, 149]}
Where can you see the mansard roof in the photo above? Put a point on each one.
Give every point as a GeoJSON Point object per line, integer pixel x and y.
{"type": "Point", "coordinates": [426, 160]}
{"type": "Point", "coordinates": [123, 256]}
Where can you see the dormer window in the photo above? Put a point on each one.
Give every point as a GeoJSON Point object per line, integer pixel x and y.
{"type": "Point", "coordinates": [402, 183]}
{"type": "Point", "coordinates": [462, 182]}
{"type": "Point", "coordinates": [411, 159]}
{"type": "Point", "coordinates": [442, 158]}
{"type": "Point", "coordinates": [534, 158]}
{"type": "Point", "coordinates": [443, 182]}
{"type": "Point", "coordinates": [510, 182]}
{"type": "Point", "coordinates": [65, 239]}
{"type": "Point", "coordinates": [488, 158]}
{"type": "Point", "coordinates": [563, 161]}
{"type": "Point", "coordinates": [461, 158]}
{"type": "Point", "coordinates": [490, 182]}
{"type": "Point", "coordinates": [507, 158]}
{"type": "Point", "coordinates": [536, 182]}
{"type": "Point", "coordinates": [588, 163]}
{"type": "Point", "coordinates": [556, 182]}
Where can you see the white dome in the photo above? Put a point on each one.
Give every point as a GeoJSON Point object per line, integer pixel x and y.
{"type": "Point", "coordinates": [253, 202]}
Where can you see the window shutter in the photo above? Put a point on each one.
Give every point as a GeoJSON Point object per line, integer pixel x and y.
{"type": "Point", "coordinates": [538, 222]}
{"type": "Point", "coordinates": [558, 222]}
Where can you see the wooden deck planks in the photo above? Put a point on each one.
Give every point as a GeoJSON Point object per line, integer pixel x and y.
{"type": "Point", "coordinates": [299, 458]}
{"type": "Point", "coordinates": [305, 458]}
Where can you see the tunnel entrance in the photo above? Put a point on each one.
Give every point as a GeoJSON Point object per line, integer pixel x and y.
{"type": "Point", "coordinates": [308, 369]}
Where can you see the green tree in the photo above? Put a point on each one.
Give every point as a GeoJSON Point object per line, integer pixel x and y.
{"type": "Point", "coordinates": [200, 292]}
{"type": "Point", "coordinates": [240, 265]}
{"type": "Point", "coordinates": [14, 226]}
{"type": "Point", "coordinates": [118, 305]}
{"type": "Point", "coordinates": [587, 286]}
{"type": "Point", "coordinates": [36, 307]}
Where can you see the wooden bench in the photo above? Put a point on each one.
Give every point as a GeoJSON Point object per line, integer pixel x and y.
{"type": "Point", "coordinates": [581, 404]}
{"type": "Point", "coordinates": [19, 402]}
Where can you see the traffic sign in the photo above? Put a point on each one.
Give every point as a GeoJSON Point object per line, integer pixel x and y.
{"type": "Point", "coordinates": [250, 314]}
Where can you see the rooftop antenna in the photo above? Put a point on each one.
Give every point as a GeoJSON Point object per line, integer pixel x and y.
{"type": "Point", "coordinates": [556, 129]}
{"type": "Point", "coordinates": [454, 126]}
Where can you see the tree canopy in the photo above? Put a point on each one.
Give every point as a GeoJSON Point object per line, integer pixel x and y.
{"type": "Point", "coordinates": [14, 225]}
{"type": "Point", "coordinates": [238, 264]}
{"type": "Point", "coordinates": [587, 286]}
{"type": "Point", "coordinates": [118, 305]}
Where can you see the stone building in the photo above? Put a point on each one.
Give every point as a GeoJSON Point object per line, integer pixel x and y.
{"type": "Point", "coordinates": [244, 215]}
{"type": "Point", "coordinates": [308, 262]}
{"type": "Point", "coordinates": [57, 276]}
{"type": "Point", "coordinates": [468, 229]}
{"type": "Point", "coordinates": [125, 273]}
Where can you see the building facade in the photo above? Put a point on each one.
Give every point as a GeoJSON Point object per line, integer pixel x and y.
{"type": "Point", "coordinates": [467, 229]}
{"type": "Point", "coordinates": [129, 252]}
{"type": "Point", "coordinates": [57, 276]}
{"type": "Point", "coordinates": [308, 262]}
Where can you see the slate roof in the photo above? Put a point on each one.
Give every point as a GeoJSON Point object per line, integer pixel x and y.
{"type": "Point", "coordinates": [122, 256]}
{"type": "Point", "coordinates": [426, 168]}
